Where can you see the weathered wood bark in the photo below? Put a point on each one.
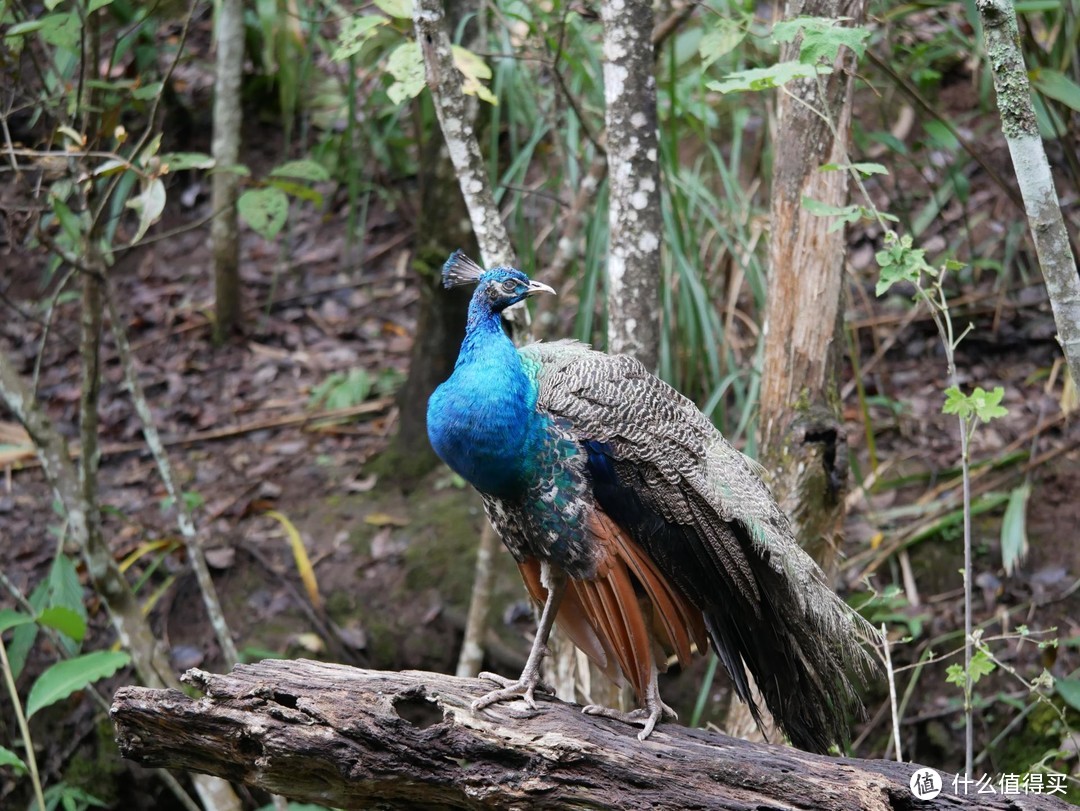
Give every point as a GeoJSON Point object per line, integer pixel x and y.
{"type": "Point", "coordinates": [803, 443]}
{"type": "Point", "coordinates": [633, 150]}
{"type": "Point", "coordinates": [359, 739]}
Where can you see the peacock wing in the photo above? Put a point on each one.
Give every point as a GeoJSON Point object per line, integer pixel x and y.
{"type": "Point", "coordinates": [701, 511]}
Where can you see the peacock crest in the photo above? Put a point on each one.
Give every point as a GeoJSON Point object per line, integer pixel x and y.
{"type": "Point", "coordinates": [460, 270]}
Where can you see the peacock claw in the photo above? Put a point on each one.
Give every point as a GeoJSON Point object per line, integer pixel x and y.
{"type": "Point", "coordinates": [523, 688]}
{"type": "Point", "coordinates": [645, 716]}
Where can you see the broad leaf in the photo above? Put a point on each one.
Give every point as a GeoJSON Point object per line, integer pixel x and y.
{"type": "Point", "coordinates": [720, 40]}
{"type": "Point", "coordinates": [399, 9]}
{"type": "Point", "coordinates": [179, 161]}
{"type": "Point", "coordinates": [302, 170]}
{"type": "Point", "coordinates": [1056, 85]}
{"type": "Point", "coordinates": [264, 210]}
{"type": "Point", "coordinates": [10, 618]}
{"type": "Point", "coordinates": [475, 71]}
{"type": "Point", "coordinates": [822, 37]}
{"type": "Point", "coordinates": [764, 78]}
{"type": "Point", "coordinates": [64, 620]}
{"type": "Point", "coordinates": [355, 34]}
{"type": "Point", "coordinates": [149, 206]}
{"type": "Point", "coordinates": [65, 678]}
{"type": "Point", "coordinates": [10, 759]}
{"type": "Point", "coordinates": [1069, 690]}
{"type": "Point", "coordinates": [406, 65]}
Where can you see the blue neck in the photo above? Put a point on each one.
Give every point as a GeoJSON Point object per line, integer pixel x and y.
{"type": "Point", "coordinates": [482, 420]}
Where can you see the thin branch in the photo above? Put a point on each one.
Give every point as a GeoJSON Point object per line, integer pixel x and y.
{"type": "Point", "coordinates": [184, 518]}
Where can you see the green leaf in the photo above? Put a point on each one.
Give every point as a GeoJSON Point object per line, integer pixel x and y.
{"type": "Point", "coordinates": [111, 167]}
{"type": "Point", "coordinates": [406, 65]}
{"type": "Point", "coordinates": [69, 220]}
{"type": "Point", "coordinates": [147, 92]}
{"type": "Point", "coordinates": [1069, 690]}
{"type": "Point", "coordinates": [355, 34]}
{"type": "Point", "coordinates": [62, 30]}
{"type": "Point", "coordinates": [298, 190]}
{"type": "Point", "coordinates": [956, 402]}
{"type": "Point", "coordinates": [941, 136]}
{"type": "Point", "coordinates": [264, 210]}
{"type": "Point", "coordinates": [65, 678]}
{"type": "Point", "coordinates": [64, 590]}
{"type": "Point", "coordinates": [9, 758]}
{"type": "Point", "coordinates": [475, 71]}
{"type": "Point", "coordinates": [900, 262]}
{"type": "Point", "coordinates": [721, 40]}
{"type": "Point", "coordinates": [1056, 85]}
{"type": "Point", "coordinates": [149, 206]}
{"type": "Point", "coordinates": [302, 170]}
{"type": "Point", "coordinates": [24, 28]}
{"type": "Point", "coordinates": [64, 620]}
{"type": "Point", "coordinates": [342, 391]}
{"type": "Point", "coordinates": [981, 665]}
{"type": "Point", "coordinates": [10, 618]}
{"type": "Point", "coordinates": [399, 9]}
{"type": "Point", "coordinates": [94, 5]}
{"type": "Point", "coordinates": [180, 161]}
{"type": "Point", "coordinates": [755, 79]}
{"type": "Point", "coordinates": [987, 403]}
{"type": "Point", "coordinates": [954, 674]}
{"type": "Point", "coordinates": [1014, 539]}
{"type": "Point", "coordinates": [822, 37]}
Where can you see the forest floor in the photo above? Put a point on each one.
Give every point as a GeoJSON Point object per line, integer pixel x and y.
{"type": "Point", "coordinates": [255, 451]}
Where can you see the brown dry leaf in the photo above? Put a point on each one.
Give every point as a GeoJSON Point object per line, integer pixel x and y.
{"type": "Point", "coordinates": [15, 444]}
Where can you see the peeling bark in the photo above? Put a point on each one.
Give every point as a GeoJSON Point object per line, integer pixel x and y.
{"type": "Point", "coordinates": [1032, 169]}
{"type": "Point", "coordinates": [635, 221]}
{"type": "Point", "coordinates": [353, 738]}
{"type": "Point", "coordinates": [803, 442]}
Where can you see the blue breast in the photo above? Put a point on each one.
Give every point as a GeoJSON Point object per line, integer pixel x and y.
{"type": "Point", "coordinates": [483, 422]}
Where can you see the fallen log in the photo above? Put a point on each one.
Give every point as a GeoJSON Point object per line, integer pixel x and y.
{"type": "Point", "coordinates": [352, 738]}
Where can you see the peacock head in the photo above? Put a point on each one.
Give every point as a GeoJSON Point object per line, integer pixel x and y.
{"type": "Point", "coordinates": [497, 289]}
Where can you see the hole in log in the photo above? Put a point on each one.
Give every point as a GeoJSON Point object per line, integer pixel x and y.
{"type": "Point", "coordinates": [285, 700]}
{"type": "Point", "coordinates": [249, 745]}
{"type": "Point", "coordinates": [419, 710]}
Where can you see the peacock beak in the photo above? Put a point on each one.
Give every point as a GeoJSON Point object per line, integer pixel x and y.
{"type": "Point", "coordinates": [539, 287]}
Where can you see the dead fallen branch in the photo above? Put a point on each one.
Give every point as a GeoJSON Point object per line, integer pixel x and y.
{"type": "Point", "coordinates": [355, 738]}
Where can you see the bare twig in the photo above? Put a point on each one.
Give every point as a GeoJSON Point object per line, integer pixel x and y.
{"type": "Point", "coordinates": [184, 518]}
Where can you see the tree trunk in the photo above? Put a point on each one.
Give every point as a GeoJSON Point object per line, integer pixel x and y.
{"type": "Point", "coordinates": [1033, 174]}
{"type": "Point", "coordinates": [634, 172]}
{"type": "Point", "coordinates": [803, 442]}
{"type": "Point", "coordinates": [361, 739]}
{"type": "Point", "coordinates": [228, 115]}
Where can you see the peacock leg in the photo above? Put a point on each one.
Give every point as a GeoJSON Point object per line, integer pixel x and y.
{"type": "Point", "coordinates": [529, 682]}
{"type": "Point", "coordinates": [647, 716]}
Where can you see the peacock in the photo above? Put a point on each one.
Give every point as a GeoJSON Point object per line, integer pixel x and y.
{"type": "Point", "coordinates": [637, 526]}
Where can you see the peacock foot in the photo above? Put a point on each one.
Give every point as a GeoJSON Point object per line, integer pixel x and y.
{"type": "Point", "coordinates": [523, 688]}
{"type": "Point", "coordinates": [646, 716]}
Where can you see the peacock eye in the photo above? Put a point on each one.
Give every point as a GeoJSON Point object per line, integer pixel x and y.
{"type": "Point", "coordinates": [510, 286]}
